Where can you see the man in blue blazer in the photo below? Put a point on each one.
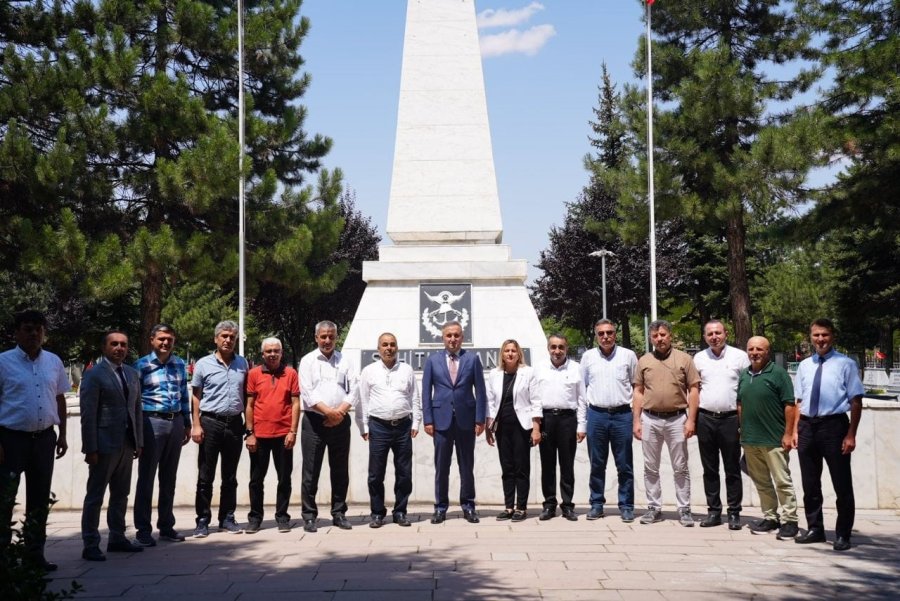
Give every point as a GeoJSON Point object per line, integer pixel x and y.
{"type": "Point", "coordinates": [453, 409]}
{"type": "Point", "coordinates": [112, 437]}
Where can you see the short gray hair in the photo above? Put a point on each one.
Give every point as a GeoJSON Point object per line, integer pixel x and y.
{"type": "Point", "coordinates": [605, 322]}
{"type": "Point", "coordinates": [225, 325]}
{"type": "Point", "coordinates": [660, 323]}
{"type": "Point", "coordinates": [270, 340]}
{"type": "Point", "coordinates": [325, 325]}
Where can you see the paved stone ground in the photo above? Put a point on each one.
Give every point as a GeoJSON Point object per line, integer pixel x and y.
{"type": "Point", "coordinates": [556, 559]}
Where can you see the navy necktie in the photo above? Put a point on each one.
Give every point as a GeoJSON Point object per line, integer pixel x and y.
{"type": "Point", "coordinates": [121, 373]}
{"type": "Point", "coordinates": [814, 394]}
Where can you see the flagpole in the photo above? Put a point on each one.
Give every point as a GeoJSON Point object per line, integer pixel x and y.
{"type": "Point", "coordinates": [650, 197]}
{"type": "Point", "coordinates": [241, 233]}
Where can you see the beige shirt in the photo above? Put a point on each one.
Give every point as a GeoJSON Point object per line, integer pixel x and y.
{"type": "Point", "coordinates": [666, 381]}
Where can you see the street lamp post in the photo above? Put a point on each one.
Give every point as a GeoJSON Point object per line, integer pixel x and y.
{"type": "Point", "coordinates": [603, 254]}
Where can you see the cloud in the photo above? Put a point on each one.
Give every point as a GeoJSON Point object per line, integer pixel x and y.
{"type": "Point", "coordinates": [507, 18]}
{"type": "Point", "coordinates": [527, 42]}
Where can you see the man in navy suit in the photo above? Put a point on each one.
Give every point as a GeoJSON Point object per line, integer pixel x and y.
{"type": "Point", "coordinates": [453, 408]}
{"type": "Point", "coordinates": [112, 437]}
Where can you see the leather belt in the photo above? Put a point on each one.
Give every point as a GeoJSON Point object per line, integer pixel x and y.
{"type": "Point", "coordinates": [718, 414]}
{"type": "Point", "coordinates": [821, 418]}
{"type": "Point", "coordinates": [559, 412]}
{"type": "Point", "coordinates": [168, 416]}
{"type": "Point", "coordinates": [222, 417]}
{"type": "Point", "coordinates": [612, 410]}
{"type": "Point", "coordinates": [35, 434]}
{"type": "Point", "coordinates": [390, 423]}
{"type": "Point", "coordinates": [665, 414]}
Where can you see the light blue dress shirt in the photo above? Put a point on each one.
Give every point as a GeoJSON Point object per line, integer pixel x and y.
{"type": "Point", "coordinates": [840, 383]}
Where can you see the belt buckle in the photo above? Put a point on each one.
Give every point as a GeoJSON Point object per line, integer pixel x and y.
{"type": "Point", "coordinates": [395, 422]}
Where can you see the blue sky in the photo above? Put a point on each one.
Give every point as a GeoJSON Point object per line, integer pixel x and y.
{"type": "Point", "coordinates": [542, 64]}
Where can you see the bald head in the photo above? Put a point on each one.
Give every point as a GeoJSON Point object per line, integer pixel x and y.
{"type": "Point", "coordinates": [758, 351]}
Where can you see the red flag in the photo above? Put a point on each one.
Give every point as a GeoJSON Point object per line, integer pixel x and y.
{"type": "Point", "coordinates": [650, 1]}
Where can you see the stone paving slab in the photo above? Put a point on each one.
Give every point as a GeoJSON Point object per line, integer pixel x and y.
{"type": "Point", "coordinates": [603, 560]}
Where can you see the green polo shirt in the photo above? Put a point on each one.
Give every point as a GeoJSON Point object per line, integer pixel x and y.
{"type": "Point", "coordinates": [762, 397]}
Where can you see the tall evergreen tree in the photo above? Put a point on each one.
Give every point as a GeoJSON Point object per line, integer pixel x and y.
{"type": "Point", "coordinates": [725, 156]}
{"type": "Point", "coordinates": [127, 159]}
{"type": "Point", "coordinates": [859, 215]}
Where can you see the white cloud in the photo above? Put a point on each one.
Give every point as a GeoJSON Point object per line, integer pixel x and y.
{"type": "Point", "coordinates": [507, 18]}
{"type": "Point", "coordinates": [527, 42]}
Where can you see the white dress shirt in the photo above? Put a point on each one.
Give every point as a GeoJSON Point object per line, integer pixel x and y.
{"type": "Point", "coordinates": [608, 379]}
{"type": "Point", "coordinates": [387, 393]}
{"type": "Point", "coordinates": [329, 380]}
{"type": "Point", "coordinates": [719, 377]}
{"type": "Point", "coordinates": [28, 390]}
{"type": "Point", "coordinates": [563, 388]}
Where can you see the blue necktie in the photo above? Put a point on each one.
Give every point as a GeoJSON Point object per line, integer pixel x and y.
{"type": "Point", "coordinates": [814, 394]}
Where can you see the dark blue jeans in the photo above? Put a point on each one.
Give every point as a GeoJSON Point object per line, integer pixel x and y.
{"type": "Point", "coordinates": [384, 439]}
{"type": "Point", "coordinates": [162, 451]}
{"type": "Point", "coordinates": [607, 431]}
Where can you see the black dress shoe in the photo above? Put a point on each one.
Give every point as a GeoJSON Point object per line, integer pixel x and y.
{"type": "Point", "coordinates": [471, 516]}
{"type": "Point", "coordinates": [402, 520]}
{"type": "Point", "coordinates": [712, 519]}
{"type": "Point", "coordinates": [841, 543]}
{"type": "Point", "coordinates": [546, 514]}
{"type": "Point", "coordinates": [341, 521]}
{"type": "Point", "coordinates": [309, 526]}
{"type": "Point", "coordinates": [93, 554]}
{"type": "Point", "coordinates": [377, 521]}
{"type": "Point", "coordinates": [570, 515]}
{"type": "Point", "coordinates": [734, 521]}
{"type": "Point", "coordinates": [123, 546]}
{"type": "Point", "coordinates": [47, 566]}
{"type": "Point", "coordinates": [813, 535]}
{"type": "Point", "coordinates": [439, 517]}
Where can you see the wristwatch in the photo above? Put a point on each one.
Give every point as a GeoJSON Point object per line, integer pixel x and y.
{"type": "Point", "coordinates": [248, 434]}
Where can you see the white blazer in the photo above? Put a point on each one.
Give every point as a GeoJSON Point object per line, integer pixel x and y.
{"type": "Point", "coordinates": [526, 401]}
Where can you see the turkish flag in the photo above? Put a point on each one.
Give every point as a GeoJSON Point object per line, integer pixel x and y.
{"type": "Point", "coordinates": [880, 356]}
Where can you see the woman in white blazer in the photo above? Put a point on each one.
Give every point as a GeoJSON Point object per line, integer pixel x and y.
{"type": "Point", "coordinates": [514, 421]}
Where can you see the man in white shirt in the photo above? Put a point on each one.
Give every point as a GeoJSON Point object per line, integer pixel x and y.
{"type": "Point", "coordinates": [388, 415]}
{"type": "Point", "coordinates": [608, 372]}
{"type": "Point", "coordinates": [718, 424]}
{"type": "Point", "coordinates": [561, 391]}
{"type": "Point", "coordinates": [33, 383]}
{"type": "Point", "coordinates": [327, 380]}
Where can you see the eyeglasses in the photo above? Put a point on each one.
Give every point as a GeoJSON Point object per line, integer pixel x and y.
{"type": "Point", "coordinates": [601, 333]}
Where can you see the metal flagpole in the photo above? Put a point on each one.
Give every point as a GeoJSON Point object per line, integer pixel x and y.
{"type": "Point", "coordinates": [650, 171]}
{"type": "Point", "coordinates": [241, 284]}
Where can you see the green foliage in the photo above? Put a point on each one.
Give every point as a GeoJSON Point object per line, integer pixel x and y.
{"type": "Point", "coordinates": [21, 577]}
{"type": "Point", "coordinates": [576, 338]}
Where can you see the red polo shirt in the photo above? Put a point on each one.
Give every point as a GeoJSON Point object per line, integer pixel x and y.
{"type": "Point", "coordinates": [272, 402]}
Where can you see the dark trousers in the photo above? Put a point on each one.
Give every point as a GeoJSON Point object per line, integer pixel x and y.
{"type": "Point", "coordinates": [315, 440]}
{"type": "Point", "coordinates": [32, 455]}
{"type": "Point", "coordinates": [558, 442]}
{"type": "Point", "coordinates": [715, 436]}
{"type": "Point", "coordinates": [463, 440]}
{"type": "Point", "coordinates": [259, 465]}
{"type": "Point", "coordinates": [225, 439]}
{"type": "Point", "coordinates": [112, 470]}
{"type": "Point", "coordinates": [610, 431]}
{"type": "Point", "coordinates": [384, 438]}
{"type": "Point", "coordinates": [162, 451]}
{"type": "Point", "coordinates": [514, 448]}
{"type": "Point", "coordinates": [821, 438]}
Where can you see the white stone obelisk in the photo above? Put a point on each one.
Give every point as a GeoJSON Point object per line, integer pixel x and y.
{"type": "Point", "coordinates": [444, 209]}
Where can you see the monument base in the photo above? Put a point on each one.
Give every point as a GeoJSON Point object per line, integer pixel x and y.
{"type": "Point", "coordinates": [396, 299]}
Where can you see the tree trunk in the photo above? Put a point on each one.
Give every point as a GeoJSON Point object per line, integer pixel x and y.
{"type": "Point", "coordinates": [151, 306]}
{"type": "Point", "coordinates": [739, 290]}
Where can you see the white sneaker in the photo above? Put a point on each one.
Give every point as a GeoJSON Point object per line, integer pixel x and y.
{"type": "Point", "coordinates": [685, 518]}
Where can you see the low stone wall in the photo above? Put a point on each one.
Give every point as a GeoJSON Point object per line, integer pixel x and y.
{"type": "Point", "coordinates": [875, 474]}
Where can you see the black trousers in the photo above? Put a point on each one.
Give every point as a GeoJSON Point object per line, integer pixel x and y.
{"type": "Point", "coordinates": [514, 447]}
{"type": "Point", "coordinates": [32, 455]}
{"type": "Point", "coordinates": [225, 439]}
{"type": "Point", "coordinates": [821, 438]}
{"type": "Point", "coordinates": [384, 438]}
{"type": "Point", "coordinates": [558, 443]}
{"type": "Point", "coordinates": [315, 439]}
{"type": "Point", "coordinates": [715, 436]}
{"type": "Point", "coordinates": [283, 459]}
